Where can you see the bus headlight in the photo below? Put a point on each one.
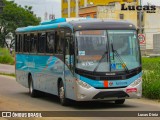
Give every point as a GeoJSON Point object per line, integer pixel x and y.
{"type": "Point", "coordinates": [83, 84]}
{"type": "Point", "coordinates": [136, 82]}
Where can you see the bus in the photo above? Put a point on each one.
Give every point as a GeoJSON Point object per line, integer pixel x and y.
{"type": "Point", "coordinates": [80, 60]}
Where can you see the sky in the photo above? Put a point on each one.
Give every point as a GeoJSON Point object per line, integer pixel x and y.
{"type": "Point", "coordinates": [54, 6]}
{"type": "Point", "coordinates": [154, 2]}
{"type": "Point", "coordinates": [41, 6]}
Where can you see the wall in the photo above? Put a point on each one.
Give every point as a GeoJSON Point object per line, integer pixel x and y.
{"type": "Point", "coordinates": [151, 27]}
{"type": "Point", "coordinates": [113, 12]}
{"type": "Point", "coordinates": [88, 12]}
{"type": "Point", "coordinates": [64, 4]}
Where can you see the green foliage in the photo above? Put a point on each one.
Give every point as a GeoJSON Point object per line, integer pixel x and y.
{"type": "Point", "coordinates": [5, 57]}
{"type": "Point", "coordinates": [18, 15]}
{"type": "Point", "coordinates": [151, 77]}
{"type": "Point", "coordinates": [15, 16]}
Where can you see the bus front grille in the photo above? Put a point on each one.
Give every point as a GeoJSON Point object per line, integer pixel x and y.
{"type": "Point", "coordinates": [110, 94]}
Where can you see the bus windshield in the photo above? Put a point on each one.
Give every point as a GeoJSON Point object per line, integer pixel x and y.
{"type": "Point", "coordinates": [107, 50]}
{"type": "Point", "coordinates": [124, 49]}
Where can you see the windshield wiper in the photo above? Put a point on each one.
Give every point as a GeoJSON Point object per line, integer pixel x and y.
{"type": "Point", "coordinates": [120, 59]}
{"type": "Point", "coordinates": [104, 54]}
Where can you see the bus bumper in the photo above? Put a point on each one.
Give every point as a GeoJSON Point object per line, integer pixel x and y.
{"type": "Point", "coordinates": [93, 94]}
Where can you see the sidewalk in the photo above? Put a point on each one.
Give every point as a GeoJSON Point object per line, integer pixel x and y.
{"type": "Point", "coordinates": [7, 69]}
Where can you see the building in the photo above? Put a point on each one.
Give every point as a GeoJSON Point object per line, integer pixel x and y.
{"type": "Point", "coordinates": [149, 22]}
{"type": "Point", "coordinates": [151, 30]}
{"type": "Point", "coordinates": [110, 11]}
{"type": "Point", "coordinates": [89, 12]}
{"type": "Point", "coordinates": [70, 8]}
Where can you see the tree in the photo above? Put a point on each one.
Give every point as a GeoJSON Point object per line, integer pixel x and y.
{"type": "Point", "coordinates": [15, 16]}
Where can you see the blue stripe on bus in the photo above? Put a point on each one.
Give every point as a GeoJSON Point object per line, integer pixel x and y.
{"type": "Point", "coordinates": [37, 63]}
{"type": "Point", "coordinates": [53, 65]}
{"type": "Point", "coordinates": [114, 83]}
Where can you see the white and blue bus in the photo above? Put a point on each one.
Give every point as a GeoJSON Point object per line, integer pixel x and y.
{"type": "Point", "coordinates": [81, 60]}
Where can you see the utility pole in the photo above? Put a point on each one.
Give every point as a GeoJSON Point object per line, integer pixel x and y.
{"type": "Point", "coordinates": [69, 8]}
{"type": "Point", "coordinates": [85, 3]}
{"type": "Point", "coordinates": [140, 18]}
{"type": "Point", "coordinates": [77, 8]}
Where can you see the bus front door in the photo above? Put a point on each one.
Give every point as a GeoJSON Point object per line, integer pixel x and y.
{"type": "Point", "coordinates": [68, 69]}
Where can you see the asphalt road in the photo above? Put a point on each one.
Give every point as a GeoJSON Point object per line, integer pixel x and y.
{"type": "Point", "coordinates": [14, 97]}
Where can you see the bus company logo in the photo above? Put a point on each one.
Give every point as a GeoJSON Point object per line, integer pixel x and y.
{"type": "Point", "coordinates": [110, 83]}
{"type": "Point", "coordinates": [147, 8]}
{"type": "Point", "coordinates": [121, 83]}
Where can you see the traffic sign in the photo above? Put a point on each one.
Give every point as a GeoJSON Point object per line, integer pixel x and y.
{"type": "Point", "coordinates": [142, 39]}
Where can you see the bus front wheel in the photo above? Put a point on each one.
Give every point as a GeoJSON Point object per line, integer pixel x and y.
{"type": "Point", "coordinates": [61, 94]}
{"type": "Point", "coordinates": [120, 101]}
{"type": "Point", "coordinates": [32, 91]}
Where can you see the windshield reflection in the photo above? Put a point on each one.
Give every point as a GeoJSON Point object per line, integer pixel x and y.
{"type": "Point", "coordinates": [127, 55]}
{"type": "Point", "coordinates": [91, 48]}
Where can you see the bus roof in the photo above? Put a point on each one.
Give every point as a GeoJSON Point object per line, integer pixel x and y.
{"type": "Point", "coordinates": [79, 24]}
{"type": "Point", "coordinates": [99, 24]}
{"type": "Point", "coordinates": [42, 27]}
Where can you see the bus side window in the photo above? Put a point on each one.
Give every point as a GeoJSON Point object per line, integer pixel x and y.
{"type": "Point", "coordinates": [26, 43]}
{"type": "Point", "coordinates": [67, 52]}
{"type": "Point", "coordinates": [17, 43]}
{"type": "Point", "coordinates": [69, 49]}
{"type": "Point", "coordinates": [58, 43]}
{"type": "Point", "coordinates": [30, 43]}
{"type": "Point", "coordinates": [41, 42]}
{"type": "Point", "coordinates": [33, 43]}
{"type": "Point", "coordinates": [21, 43]}
{"type": "Point", "coordinates": [61, 41]}
{"type": "Point", "coordinates": [50, 42]}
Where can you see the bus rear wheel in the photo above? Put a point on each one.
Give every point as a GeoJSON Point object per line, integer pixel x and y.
{"type": "Point", "coordinates": [61, 94]}
{"type": "Point", "coordinates": [32, 91]}
{"type": "Point", "coordinates": [120, 101]}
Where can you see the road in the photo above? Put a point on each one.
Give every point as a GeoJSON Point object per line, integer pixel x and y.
{"type": "Point", "coordinates": [14, 97]}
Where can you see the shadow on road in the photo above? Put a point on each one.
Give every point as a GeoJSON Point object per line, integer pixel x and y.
{"type": "Point", "coordinates": [89, 105]}
{"type": "Point", "coordinates": [99, 105]}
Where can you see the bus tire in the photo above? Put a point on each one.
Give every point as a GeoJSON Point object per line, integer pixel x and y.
{"type": "Point", "coordinates": [61, 94]}
{"type": "Point", "coordinates": [119, 102]}
{"type": "Point", "coordinates": [32, 91]}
